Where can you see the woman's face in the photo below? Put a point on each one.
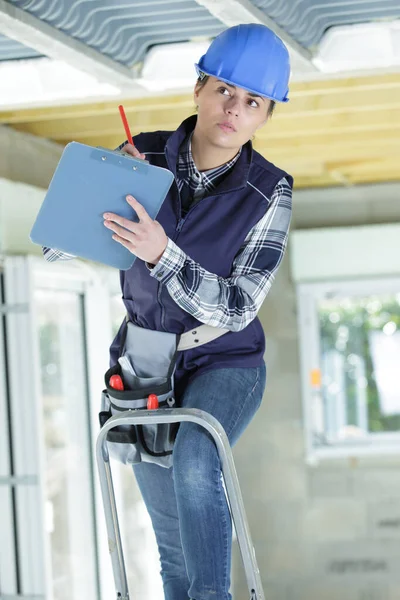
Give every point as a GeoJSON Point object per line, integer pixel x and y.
{"type": "Point", "coordinates": [228, 116]}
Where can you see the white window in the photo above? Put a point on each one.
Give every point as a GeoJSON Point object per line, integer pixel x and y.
{"type": "Point", "coordinates": [350, 359]}
{"type": "Point", "coordinates": [59, 320]}
{"type": "Point", "coordinates": [65, 421]}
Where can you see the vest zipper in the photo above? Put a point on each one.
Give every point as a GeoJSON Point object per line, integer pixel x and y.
{"type": "Point", "coordinates": [183, 219]}
{"type": "Point", "coordinates": [179, 226]}
{"type": "Point", "coordinates": [161, 306]}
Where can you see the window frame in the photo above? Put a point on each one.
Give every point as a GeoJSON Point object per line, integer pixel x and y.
{"type": "Point", "coordinates": [26, 568]}
{"type": "Point", "coordinates": [308, 296]}
{"type": "Point", "coordinates": [8, 560]}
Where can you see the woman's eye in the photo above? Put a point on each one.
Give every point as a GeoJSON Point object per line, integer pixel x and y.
{"type": "Point", "coordinates": [253, 103]}
{"type": "Point", "coordinates": [223, 90]}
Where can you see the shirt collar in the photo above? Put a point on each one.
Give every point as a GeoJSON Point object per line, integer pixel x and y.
{"type": "Point", "coordinates": [187, 169]}
{"type": "Point", "coordinates": [235, 179]}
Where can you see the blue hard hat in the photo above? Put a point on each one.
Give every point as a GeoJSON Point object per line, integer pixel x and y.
{"type": "Point", "coordinates": [251, 57]}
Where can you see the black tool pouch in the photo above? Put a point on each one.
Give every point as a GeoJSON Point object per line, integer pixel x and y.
{"type": "Point", "coordinates": [146, 365]}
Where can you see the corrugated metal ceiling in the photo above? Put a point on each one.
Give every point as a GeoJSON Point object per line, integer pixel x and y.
{"type": "Point", "coordinates": [12, 50]}
{"type": "Point", "coordinates": [122, 29]}
{"type": "Point", "coordinates": [125, 29]}
{"type": "Point", "coordinates": [307, 20]}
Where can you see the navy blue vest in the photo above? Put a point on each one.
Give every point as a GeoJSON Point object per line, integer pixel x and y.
{"type": "Point", "coordinates": [211, 234]}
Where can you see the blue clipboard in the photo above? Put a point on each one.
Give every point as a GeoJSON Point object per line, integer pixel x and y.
{"type": "Point", "coordinates": [88, 182]}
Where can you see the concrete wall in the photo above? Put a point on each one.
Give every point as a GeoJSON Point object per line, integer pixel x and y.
{"type": "Point", "coordinates": [27, 164]}
{"type": "Point", "coordinates": [19, 206]}
{"type": "Point", "coordinates": [331, 531]}
{"type": "Point", "coordinates": [27, 158]}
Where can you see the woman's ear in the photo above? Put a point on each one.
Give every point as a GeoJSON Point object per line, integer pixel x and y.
{"type": "Point", "coordinates": [196, 92]}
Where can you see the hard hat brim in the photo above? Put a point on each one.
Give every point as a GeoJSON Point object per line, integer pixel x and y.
{"type": "Point", "coordinates": [237, 84]}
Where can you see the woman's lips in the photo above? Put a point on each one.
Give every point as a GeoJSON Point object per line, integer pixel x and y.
{"type": "Point", "coordinates": [227, 127]}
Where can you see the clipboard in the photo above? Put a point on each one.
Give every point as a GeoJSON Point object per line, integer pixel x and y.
{"type": "Point", "coordinates": [88, 182]}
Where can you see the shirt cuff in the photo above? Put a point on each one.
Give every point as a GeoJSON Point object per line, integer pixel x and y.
{"type": "Point", "coordinates": [170, 263]}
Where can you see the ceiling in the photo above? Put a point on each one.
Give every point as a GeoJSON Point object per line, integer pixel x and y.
{"type": "Point", "coordinates": [124, 29]}
{"type": "Point", "coordinates": [339, 130]}
{"type": "Point", "coordinates": [12, 50]}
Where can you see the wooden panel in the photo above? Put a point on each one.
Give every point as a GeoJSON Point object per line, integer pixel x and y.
{"type": "Point", "coordinates": [337, 132]}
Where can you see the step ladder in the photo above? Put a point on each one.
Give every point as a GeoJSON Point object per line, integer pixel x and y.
{"type": "Point", "coordinates": [234, 495]}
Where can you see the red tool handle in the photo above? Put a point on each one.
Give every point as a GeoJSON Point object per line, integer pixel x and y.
{"type": "Point", "coordinates": [116, 383]}
{"type": "Point", "coordinates": [152, 402]}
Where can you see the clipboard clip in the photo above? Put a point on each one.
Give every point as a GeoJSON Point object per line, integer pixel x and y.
{"type": "Point", "coordinates": [120, 159]}
{"type": "Point", "coordinates": [124, 154]}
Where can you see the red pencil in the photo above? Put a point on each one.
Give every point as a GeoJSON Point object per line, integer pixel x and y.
{"type": "Point", "coordinates": [126, 126]}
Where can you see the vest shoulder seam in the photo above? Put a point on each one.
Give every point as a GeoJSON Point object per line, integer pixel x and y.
{"type": "Point", "coordinates": [259, 191]}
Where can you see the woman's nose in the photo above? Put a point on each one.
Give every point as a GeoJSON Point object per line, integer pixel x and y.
{"type": "Point", "coordinates": [232, 107]}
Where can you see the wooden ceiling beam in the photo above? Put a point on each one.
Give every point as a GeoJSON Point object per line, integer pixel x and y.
{"type": "Point", "coordinates": [333, 151]}
{"type": "Point", "coordinates": [338, 132]}
{"type": "Point", "coordinates": [344, 172]}
{"type": "Point", "coordinates": [326, 180]}
{"type": "Point", "coordinates": [323, 97]}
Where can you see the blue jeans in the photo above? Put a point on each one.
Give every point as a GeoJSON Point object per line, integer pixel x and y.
{"type": "Point", "coordinates": [187, 502]}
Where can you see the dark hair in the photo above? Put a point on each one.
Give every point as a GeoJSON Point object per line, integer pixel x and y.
{"type": "Point", "coordinates": [201, 82]}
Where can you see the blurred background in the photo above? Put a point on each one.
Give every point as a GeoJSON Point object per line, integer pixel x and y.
{"type": "Point", "coordinates": [319, 466]}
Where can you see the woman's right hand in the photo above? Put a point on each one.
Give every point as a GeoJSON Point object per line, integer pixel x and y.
{"type": "Point", "coordinates": [133, 151]}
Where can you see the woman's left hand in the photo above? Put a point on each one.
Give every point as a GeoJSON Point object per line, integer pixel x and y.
{"type": "Point", "coordinates": [146, 240]}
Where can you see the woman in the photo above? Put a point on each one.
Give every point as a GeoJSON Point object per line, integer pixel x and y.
{"type": "Point", "coordinates": [210, 258]}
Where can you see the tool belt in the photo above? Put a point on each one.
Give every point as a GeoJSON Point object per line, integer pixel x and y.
{"type": "Point", "coordinates": [146, 365]}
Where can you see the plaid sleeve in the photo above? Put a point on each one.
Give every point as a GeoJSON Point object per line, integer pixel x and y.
{"type": "Point", "coordinates": [121, 146]}
{"type": "Point", "coordinates": [235, 301]}
{"type": "Point", "coordinates": [51, 254]}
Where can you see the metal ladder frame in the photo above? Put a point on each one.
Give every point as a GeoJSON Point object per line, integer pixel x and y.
{"type": "Point", "coordinates": [233, 492]}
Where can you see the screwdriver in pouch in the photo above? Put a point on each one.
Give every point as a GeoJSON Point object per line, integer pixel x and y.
{"type": "Point", "coordinates": [116, 383]}
{"type": "Point", "coordinates": [152, 402]}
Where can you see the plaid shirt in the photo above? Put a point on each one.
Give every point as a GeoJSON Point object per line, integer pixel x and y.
{"type": "Point", "coordinates": [235, 301]}
{"type": "Point", "coordinates": [193, 185]}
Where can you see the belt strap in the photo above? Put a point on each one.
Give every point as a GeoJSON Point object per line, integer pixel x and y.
{"type": "Point", "coordinates": [199, 335]}
{"type": "Point", "coordinates": [195, 337]}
